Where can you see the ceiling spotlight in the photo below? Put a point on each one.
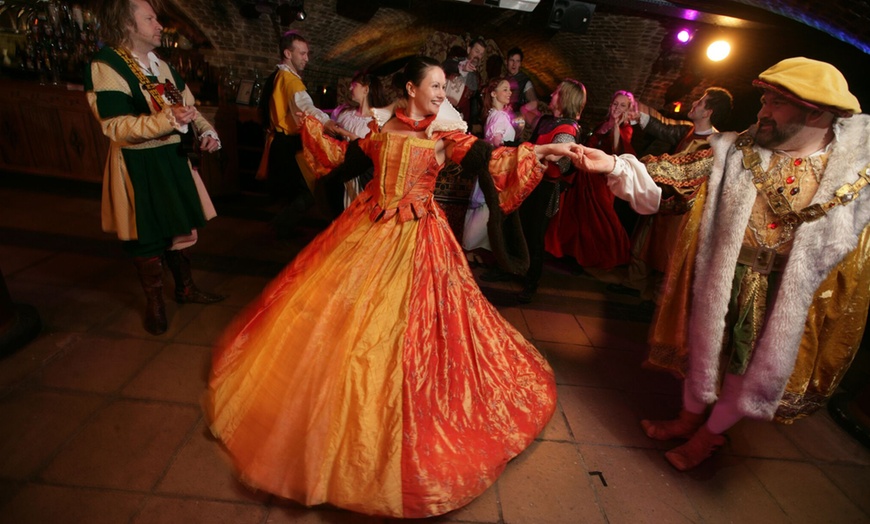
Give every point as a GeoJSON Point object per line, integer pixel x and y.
{"type": "Point", "coordinates": [290, 11]}
{"type": "Point", "coordinates": [718, 50]}
{"type": "Point", "coordinates": [684, 35]}
{"type": "Point", "coordinates": [299, 7]}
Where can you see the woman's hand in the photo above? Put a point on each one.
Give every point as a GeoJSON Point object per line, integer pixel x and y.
{"type": "Point", "coordinates": [554, 152]}
{"type": "Point", "coordinates": [332, 127]}
{"type": "Point", "coordinates": [593, 160]}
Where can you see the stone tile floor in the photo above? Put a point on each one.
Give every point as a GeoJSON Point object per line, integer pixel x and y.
{"type": "Point", "coordinates": [101, 422]}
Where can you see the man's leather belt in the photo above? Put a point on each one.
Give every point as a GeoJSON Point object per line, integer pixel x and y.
{"type": "Point", "coordinates": [762, 260]}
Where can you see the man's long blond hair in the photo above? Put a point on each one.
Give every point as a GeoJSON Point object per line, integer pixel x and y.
{"type": "Point", "coordinates": [116, 19]}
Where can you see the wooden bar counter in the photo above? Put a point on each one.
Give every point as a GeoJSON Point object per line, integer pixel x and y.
{"type": "Point", "coordinates": [49, 130]}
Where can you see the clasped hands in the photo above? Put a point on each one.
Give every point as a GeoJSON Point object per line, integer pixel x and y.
{"type": "Point", "coordinates": [584, 158]}
{"type": "Point", "coordinates": [331, 127]}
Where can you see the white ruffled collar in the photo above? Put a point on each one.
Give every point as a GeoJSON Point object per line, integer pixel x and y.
{"type": "Point", "coordinates": [448, 119]}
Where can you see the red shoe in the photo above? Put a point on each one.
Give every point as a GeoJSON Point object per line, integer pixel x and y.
{"type": "Point", "coordinates": [684, 426]}
{"type": "Point", "coordinates": [696, 450]}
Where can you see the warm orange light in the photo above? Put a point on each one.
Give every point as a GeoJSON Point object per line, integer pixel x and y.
{"type": "Point", "coordinates": [677, 107]}
{"type": "Point", "coordinates": [718, 50]}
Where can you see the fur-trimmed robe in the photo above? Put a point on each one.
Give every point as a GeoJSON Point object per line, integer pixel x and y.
{"type": "Point", "coordinates": [819, 247]}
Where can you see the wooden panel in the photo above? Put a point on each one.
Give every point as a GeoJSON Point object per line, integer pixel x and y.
{"type": "Point", "coordinates": [49, 130]}
{"type": "Point", "coordinates": [14, 147]}
{"type": "Point", "coordinates": [84, 158]}
{"type": "Point", "coordinates": [45, 135]}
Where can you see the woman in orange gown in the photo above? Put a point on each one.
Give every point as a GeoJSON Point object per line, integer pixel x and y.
{"type": "Point", "coordinates": [372, 374]}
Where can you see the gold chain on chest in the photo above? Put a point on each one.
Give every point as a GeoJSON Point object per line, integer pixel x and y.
{"type": "Point", "coordinates": [779, 203]}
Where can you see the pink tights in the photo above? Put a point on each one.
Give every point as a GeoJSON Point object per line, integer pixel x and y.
{"type": "Point", "coordinates": [725, 412]}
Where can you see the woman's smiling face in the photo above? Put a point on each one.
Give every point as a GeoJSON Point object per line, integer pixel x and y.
{"type": "Point", "coordinates": [426, 98]}
{"type": "Point", "coordinates": [502, 92]}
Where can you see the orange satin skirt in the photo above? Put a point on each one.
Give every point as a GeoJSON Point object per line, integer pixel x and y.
{"type": "Point", "coordinates": [373, 375]}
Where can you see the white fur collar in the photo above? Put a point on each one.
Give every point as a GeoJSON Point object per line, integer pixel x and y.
{"type": "Point", "coordinates": [818, 247]}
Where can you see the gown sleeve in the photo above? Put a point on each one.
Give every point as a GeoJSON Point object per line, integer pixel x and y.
{"type": "Point", "coordinates": [322, 153]}
{"type": "Point", "coordinates": [515, 170]}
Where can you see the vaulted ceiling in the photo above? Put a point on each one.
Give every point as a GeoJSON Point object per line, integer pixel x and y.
{"type": "Point", "coordinates": [846, 20]}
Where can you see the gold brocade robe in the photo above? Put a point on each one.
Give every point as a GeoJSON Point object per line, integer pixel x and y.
{"type": "Point", "coordinates": [834, 322]}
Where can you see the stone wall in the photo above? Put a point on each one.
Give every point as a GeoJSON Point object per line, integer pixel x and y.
{"type": "Point", "coordinates": [617, 51]}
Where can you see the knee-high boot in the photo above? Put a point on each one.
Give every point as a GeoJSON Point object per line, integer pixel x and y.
{"type": "Point", "coordinates": [186, 291]}
{"type": "Point", "coordinates": [151, 276]}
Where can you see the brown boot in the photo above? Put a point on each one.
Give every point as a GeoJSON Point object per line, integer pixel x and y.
{"type": "Point", "coordinates": [684, 426]}
{"type": "Point", "coordinates": [698, 449]}
{"type": "Point", "coordinates": [151, 276]}
{"type": "Point", "coordinates": [186, 291]}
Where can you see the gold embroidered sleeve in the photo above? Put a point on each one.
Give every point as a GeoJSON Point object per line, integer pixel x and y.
{"type": "Point", "coordinates": [680, 175]}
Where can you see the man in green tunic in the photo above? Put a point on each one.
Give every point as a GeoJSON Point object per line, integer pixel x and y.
{"type": "Point", "coordinates": [152, 197]}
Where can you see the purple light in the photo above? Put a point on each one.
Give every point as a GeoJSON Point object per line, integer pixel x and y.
{"type": "Point", "coordinates": [684, 35]}
{"type": "Point", "coordinates": [690, 14]}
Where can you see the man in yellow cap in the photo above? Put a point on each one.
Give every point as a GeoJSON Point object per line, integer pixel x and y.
{"type": "Point", "coordinates": [777, 278]}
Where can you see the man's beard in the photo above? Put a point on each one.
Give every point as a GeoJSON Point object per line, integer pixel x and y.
{"type": "Point", "coordinates": [775, 135]}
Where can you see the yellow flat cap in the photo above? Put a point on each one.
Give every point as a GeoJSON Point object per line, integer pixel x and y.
{"type": "Point", "coordinates": [813, 83]}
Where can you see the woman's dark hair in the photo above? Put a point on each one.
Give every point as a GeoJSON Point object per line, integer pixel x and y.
{"type": "Point", "coordinates": [377, 97]}
{"type": "Point", "coordinates": [414, 72]}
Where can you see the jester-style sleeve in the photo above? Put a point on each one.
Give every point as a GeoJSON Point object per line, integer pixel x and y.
{"type": "Point", "coordinates": [112, 103]}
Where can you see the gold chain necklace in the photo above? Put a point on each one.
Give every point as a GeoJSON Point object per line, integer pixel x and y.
{"type": "Point", "coordinates": [780, 205]}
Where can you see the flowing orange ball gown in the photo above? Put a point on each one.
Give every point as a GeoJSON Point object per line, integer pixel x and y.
{"type": "Point", "coordinates": [372, 374]}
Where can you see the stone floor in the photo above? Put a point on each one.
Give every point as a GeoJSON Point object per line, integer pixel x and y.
{"type": "Point", "coordinates": [101, 422]}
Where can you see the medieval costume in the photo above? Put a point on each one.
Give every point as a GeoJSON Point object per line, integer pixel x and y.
{"type": "Point", "coordinates": [372, 374]}
{"type": "Point", "coordinates": [780, 264]}
{"type": "Point", "coordinates": [152, 196]}
{"type": "Point", "coordinates": [802, 317]}
{"type": "Point", "coordinates": [588, 228]}
{"type": "Point", "coordinates": [150, 190]}
{"type": "Point", "coordinates": [655, 238]}
{"type": "Point", "coordinates": [284, 96]}
{"type": "Point", "coordinates": [543, 204]}
{"type": "Point", "coordinates": [499, 123]}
